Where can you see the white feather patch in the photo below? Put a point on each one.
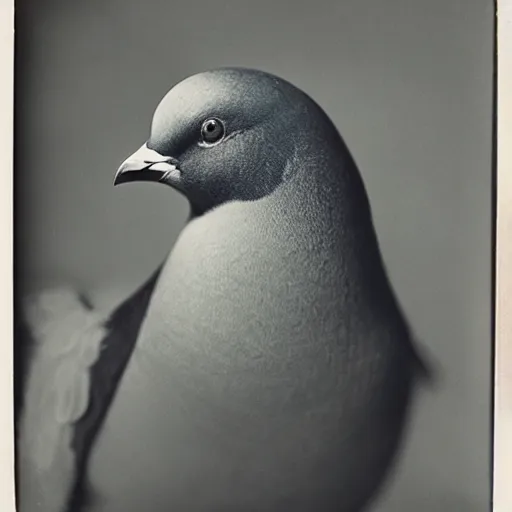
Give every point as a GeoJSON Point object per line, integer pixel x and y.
{"type": "Point", "coordinates": [67, 340]}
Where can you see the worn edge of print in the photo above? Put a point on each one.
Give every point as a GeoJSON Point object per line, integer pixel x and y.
{"type": "Point", "coordinates": [7, 502]}
{"type": "Point", "coordinates": [502, 461]}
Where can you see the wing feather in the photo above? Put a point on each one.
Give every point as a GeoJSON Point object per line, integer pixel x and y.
{"type": "Point", "coordinates": [67, 338]}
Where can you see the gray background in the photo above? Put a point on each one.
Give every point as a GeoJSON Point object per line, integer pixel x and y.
{"type": "Point", "coordinates": [408, 84]}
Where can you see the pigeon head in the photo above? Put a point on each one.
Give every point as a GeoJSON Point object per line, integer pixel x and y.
{"type": "Point", "coordinates": [226, 134]}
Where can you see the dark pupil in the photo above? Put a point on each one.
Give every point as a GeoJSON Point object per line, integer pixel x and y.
{"type": "Point", "coordinates": [211, 126]}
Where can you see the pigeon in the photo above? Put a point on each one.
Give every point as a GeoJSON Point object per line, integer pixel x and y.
{"type": "Point", "coordinates": [266, 365]}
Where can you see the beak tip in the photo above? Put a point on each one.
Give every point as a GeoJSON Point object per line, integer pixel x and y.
{"type": "Point", "coordinates": [118, 178]}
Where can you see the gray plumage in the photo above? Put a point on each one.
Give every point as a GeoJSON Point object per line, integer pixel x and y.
{"type": "Point", "coordinates": [273, 369]}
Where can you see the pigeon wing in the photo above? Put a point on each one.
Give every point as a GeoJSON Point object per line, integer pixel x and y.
{"type": "Point", "coordinates": [71, 359]}
{"type": "Point", "coordinates": [66, 341]}
{"type": "Point", "coordinates": [123, 327]}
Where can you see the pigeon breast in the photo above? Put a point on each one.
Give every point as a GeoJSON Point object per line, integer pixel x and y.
{"type": "Point", "coordinates": [266, 361]}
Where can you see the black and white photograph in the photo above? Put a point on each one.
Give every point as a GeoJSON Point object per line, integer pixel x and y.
{"type": "Point", "coordinates": [254, 256]}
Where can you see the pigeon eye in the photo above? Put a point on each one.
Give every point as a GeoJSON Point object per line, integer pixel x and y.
{"type": "Point", "coordinates": [212, 131]}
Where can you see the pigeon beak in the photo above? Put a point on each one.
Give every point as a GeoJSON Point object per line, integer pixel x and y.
{"type": "Point", "coordinates": [148, 165]}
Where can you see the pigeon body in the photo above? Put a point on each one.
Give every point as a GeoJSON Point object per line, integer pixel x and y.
{"type": "Point", "coordinates": [273, 369]}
